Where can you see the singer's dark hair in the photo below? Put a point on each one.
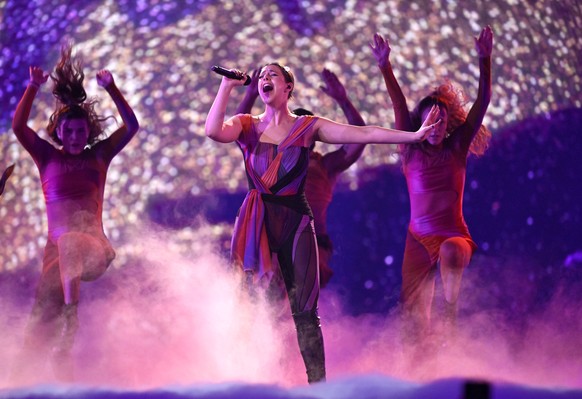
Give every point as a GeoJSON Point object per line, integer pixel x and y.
{"type": "Point", "coordinates": [302, 111]}
{"type": "Point", "coordinates": [71, 97]}
{"type": "Point", "coordinates": [287, 74]}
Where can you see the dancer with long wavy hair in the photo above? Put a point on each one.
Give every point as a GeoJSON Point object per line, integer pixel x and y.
{"type": "Point", "coordinates": [73, 173]}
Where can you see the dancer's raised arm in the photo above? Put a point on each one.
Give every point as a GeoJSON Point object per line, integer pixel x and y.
{"type": "Point", "coordinates": [381, 50]}
{"type": "Point", "coordinates": [484, 46]}
{"type": "Point", "coordinates": [118, 139]}
{"type": "Point", "coordinates": [251, 94]}
{"type": "Point", "coordinates": [24, 133]}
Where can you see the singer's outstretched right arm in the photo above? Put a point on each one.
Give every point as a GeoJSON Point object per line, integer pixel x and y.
{"type": "Point", "coordinates": [216, 127]}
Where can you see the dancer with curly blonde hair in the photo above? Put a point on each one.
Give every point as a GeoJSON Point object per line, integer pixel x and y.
{"type": "Point", "coordinates": [435, 170]}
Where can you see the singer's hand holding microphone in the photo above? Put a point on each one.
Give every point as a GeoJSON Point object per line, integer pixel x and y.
{"type": "Point", "coordinates": [232, 74]}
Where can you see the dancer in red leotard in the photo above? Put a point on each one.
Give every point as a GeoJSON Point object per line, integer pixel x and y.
{"type": "Point", "coordinates": [323, 170]}
{"type": "Point", "coordinates": [73, 182]}
{"type": "Point", "coordinates": [274, 231]}
{"type": "Point", "coordinates": [435, 174]}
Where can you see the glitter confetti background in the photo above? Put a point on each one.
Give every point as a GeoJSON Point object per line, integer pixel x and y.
{"type": "Point", "coordinates": [172, 177]}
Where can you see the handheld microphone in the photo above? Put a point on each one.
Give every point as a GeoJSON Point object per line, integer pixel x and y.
{"type": "Point", "coordinates": [231, 75]}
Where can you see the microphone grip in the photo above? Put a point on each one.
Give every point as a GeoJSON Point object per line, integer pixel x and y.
{"type": "Point", "coordinates": [231, 75]}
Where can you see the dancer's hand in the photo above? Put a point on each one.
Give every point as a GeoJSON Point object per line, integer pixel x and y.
{"type": "Point", "coordinates": [5, 177]}
{"type": "Point", "coordinates": [333, 87]}
{"type": "Point", "coordinates": [381, 50]}
{"type": "Point", "coordinates": [484, 43]}
{"type": "Point", "coordinates": [38, 77]}
{"type": "Point", "coordinates": [253, 89]}
{"type": "Point", "coordinates": [104, 78]}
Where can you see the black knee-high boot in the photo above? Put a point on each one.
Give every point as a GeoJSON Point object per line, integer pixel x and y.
{"type": "Point", "coordinates": [310, 341]}
{"type": "Point", "coordinates": [61, 358]}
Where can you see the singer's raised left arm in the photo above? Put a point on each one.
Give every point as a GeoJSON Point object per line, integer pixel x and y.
{"type": "Point", "coordinates": [216, 127]}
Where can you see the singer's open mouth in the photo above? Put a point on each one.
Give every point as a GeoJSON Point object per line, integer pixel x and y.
{"type": "Point", "coordinates": [267, 88]}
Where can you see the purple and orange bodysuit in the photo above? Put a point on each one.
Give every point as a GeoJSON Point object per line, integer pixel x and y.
{"type": "Point", "coordinates": [274, 227]}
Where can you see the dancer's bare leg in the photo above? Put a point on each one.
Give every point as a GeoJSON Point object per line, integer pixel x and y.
{"type": "Point", "coordinates": [455, 255]}
{"type": "Point", "coordinates": [81, 257]}
{"type": "Point", "coordinates": [43, 325]}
